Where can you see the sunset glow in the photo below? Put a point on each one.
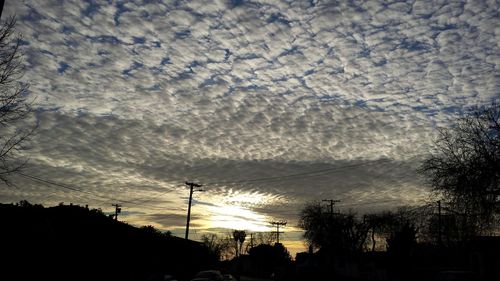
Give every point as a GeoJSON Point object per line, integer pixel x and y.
{"type": "Point", "coordinates": [235, 217]}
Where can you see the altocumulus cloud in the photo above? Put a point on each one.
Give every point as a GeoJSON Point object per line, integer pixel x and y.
{"type": "Point", "coordinates": [134, 97]}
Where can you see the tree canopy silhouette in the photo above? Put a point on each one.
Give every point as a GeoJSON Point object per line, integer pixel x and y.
{"type": "Point", "coordinates": [267, 257]}
{"type": "Point", "coordinates": [219, 247]}
{"type": "Point", "coordinates": [340, 233]}
{"type": "Point", "coordinates": [465, 168]}
{"type": "Point", "coordinates": [239, 238]}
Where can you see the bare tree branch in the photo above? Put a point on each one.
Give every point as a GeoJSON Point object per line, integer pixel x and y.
{"type": "Point", "coordinates": [14, 103]}
{"type": "Point", "coordinates": [466, 168]}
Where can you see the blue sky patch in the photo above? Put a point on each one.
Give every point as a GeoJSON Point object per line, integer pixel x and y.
{"type": "Point", "coordinates": [62, 67]}
{"type": "Point", "coordinates": [139, 40]}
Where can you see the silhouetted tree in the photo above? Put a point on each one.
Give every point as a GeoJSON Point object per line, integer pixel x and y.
{"type": "Point", "coordinates": [258, 238]}
{"type": "Point", "coordinates": [400, 245]}
{"type": "Point", "coordinates": [267, 257]}
{"type": "Point", "coordinates": [450, 230]}
{"type": "Point", "coordinates": [380, 226]}
{"type": "Point", "coordinates": [219, 247]}
{"type": "Point", "coordinates": [264, 238]}
{"type": "Point", "coordinates": [153, 231]}
{"type": "Point", "coordinates": [465, 168]}
{"type": "Point", "coordinates": [14, 105]}
{"type": "Point", "coordinates": [403, 240]}
{"type": "Point", "coordinates": [239, 238]}
{"type": "Point", "coordinates": [340, 233]}
{"type": "Point", "coordinates": [24, 204]}
{"type": "Point", "coordinates": [27, 204]}
{"type": "Point", "coordinates": [150, 229]}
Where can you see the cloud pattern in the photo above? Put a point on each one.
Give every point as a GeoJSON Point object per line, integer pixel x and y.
{"type": "Point", "coordinates": [134, 97]}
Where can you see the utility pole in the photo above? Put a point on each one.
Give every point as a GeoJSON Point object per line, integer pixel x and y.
{"type": "Point", "coordinates": [278, 224]}
{"type": "Point", "coordinates": [118, 210]}
{"type": "Point", "coordinates": [2, 2]}
{"type": "Point", "coordinates": [332, 202]}
{"type": "Point", "coordinates": [439, 223]}
{"type": "Point", "coordinates": [191, 185]}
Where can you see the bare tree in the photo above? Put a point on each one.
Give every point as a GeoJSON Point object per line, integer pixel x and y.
{"type": "Point", "coordinates": [219, 247]}
{"type": "Point", "coordinates": [14, 104]}
{"type": "Point", "coordinates": [465, 168]}
{"type": "Point", "coordinates": [339, 233]}
{"type": "Point", "coordinates": [380, 226]}
{"type": "Point", "coordinates": [405, 224]}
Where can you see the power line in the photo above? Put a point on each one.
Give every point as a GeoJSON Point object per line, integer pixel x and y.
{"type": "Point", "coordinates": [57, 184]}
{"type": "Point", "coordinates": [81, 197]}
{"type": "Point", "coordinates": [370, 203]}
{"type": "Point", "coordinates": [68, 187]}
{"type": "Point", "coordinates": [263, 179]}
{"type": "Point", "coordinates": [301, 174]}
{"type": "Point", "coordinates": [367, 203]}
{"type": "Point", "coordinates": [65, 186]}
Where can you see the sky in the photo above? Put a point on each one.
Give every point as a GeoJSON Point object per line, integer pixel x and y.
{"type": "Point", "coordinates": [267, 104]}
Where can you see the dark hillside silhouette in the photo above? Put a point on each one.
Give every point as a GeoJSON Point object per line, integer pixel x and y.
{"type": "Point", "coordinates": [74, 243]}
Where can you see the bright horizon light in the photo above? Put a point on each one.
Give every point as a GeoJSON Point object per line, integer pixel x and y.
{"type": "Point", "coordinates": [237, 217]}
{"type": "Point", "coordinates": [234, 210]}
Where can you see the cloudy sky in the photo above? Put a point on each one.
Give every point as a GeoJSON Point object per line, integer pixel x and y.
{"type": "Point", "coordinates": [268, 104]}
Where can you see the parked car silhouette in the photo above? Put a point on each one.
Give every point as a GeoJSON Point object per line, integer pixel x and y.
{"type": "Point", "coordinates": [160, 277]}
{"type": "Point", "coordinates": [168, 277]}
{"type": "Point", "coordinates": [208, 275]}
{"type": "Point", "coordinates": [229, 277]}
{"type": "Point", "coordinates": [456, 276]}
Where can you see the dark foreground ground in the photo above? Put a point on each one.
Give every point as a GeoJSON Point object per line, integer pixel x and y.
{"type": "Point", "coordinates": [69, 242]}
{"type": "Point", "coordinates": [246, 278]}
